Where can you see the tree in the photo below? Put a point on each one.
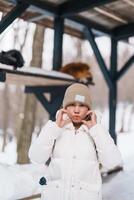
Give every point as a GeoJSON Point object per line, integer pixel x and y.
{"type": "Point", "coordinates": [28, 122]}
{"type": "Point", "coordinates": [5, 116]}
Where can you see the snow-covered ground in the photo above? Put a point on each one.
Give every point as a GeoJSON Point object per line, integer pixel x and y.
{"type": "Point", "coordinates": [19, 181]}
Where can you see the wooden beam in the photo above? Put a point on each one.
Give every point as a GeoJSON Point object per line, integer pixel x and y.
{"type": "Point", "coordinates": [110, 14]}
{"type": "Point", "coordinates": [124, 31]}
{"type": "Point", "coordinates": [76, 19]}
{"type": "Point", "coordinates": [113, 90]}
{"type": "Point", "coordinates": [58, 42]}
{"type": "Point", "coordinates": [45, 89]}
{"type": "Point", "coordinates": [55, 102]}
{"type": "Point", "coordinates": [74, 6]}
{"type": "Point", "coordinates": [12, 15]}
{"type": "Point", "coordinates": [90, 37]}
{"type": "Point", "coordinates": [86, 22]}
{"type": "Point", "coordinates": [129, 2]}
{"type": "Point", "coordinates": [124, 69]}
{"type": "Point", "coordinates": [43, 100]}
{"type": "Point", "coordinates": [44, 5]}
{"type": "Point", "coordinates": [33, 13]}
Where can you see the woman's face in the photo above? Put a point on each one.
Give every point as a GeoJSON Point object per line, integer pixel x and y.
{"type": "Point", "coordinates": [77, 112]}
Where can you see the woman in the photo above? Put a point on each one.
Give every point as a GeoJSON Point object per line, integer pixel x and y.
{"type": "Point", "coordinates": [77, 143]}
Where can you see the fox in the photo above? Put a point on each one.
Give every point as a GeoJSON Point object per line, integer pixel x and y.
{"type": "Point", "coordinates": [80, 71]}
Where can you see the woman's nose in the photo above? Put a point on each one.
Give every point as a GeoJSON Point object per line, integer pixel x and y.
{"type": "Point", "coordinates": [76, 109]}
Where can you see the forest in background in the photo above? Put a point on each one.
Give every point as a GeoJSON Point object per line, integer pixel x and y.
{"type": "Point", "coordinates": [22, 114]}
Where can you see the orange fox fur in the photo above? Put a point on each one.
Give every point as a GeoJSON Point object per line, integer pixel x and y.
{"type": "Point", "coordinates": [80, 71]}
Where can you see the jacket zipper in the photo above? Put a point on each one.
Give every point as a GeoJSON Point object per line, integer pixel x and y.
{"type": "Point", "coordinates": [72, 163]}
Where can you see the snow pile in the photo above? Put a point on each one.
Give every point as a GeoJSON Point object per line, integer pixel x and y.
{"type": "Point", "coordinates": [19, 181]}
{"type": "Point", "coordinates": [9, 156]}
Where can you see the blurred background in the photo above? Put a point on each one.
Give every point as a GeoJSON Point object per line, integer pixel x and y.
{"type": "Point", "coordinates": [23, 36]}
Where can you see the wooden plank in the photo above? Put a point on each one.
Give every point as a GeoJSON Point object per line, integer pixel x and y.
{"type": "Point", "coordinates": [110, 14]}
{"type": "Point", "coordinates": [74, 6]}
{"type": "Point", "coordinates": [31, 76]}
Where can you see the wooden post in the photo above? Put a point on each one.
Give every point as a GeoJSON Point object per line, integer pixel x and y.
{"type": "Point", "coordinates": [110, 77]}
{"type": "Point", "coordinates": [57, 60]}
{"type": "Point", "coordinates": [58, 41]}
{"type": "Point", "coordinates": [113, 90]}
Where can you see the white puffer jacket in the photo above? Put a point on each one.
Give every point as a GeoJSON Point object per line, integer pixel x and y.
{"type": "Point", "coordinates": [73, 173]}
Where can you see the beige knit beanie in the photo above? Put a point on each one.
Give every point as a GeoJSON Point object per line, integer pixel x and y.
{"type": "Point", "coordinates": [77, 92]}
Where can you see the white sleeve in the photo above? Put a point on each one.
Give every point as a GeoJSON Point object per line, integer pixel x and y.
{"type": "Point", "coordinates": [108, 153]}
{"type": "Point", "coordinates": [41, 149]}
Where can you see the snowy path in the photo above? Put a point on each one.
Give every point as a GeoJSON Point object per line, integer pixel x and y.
{"type": "Point", "coordinates": [120, 186]}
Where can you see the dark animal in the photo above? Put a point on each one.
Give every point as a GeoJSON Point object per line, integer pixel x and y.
{"type": "Point", "coordinates": [12, 57]}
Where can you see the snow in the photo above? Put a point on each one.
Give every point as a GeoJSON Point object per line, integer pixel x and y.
{"type": "Point", "coordinates": [39, 71]}
{"type": "Point", "coordinates": [9, 156]}
{"type": "Point", "coordinates": [126, 145]}
{"type": "Point", "coordinates": [19, 181]}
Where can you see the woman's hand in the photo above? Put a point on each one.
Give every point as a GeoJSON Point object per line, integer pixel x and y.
{"type": "Point", "coordinates": [92, 121]}
{"type": "Point", "coordinates": [62, 118]}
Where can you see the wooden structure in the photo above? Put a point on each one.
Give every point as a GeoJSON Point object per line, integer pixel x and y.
{"type": "Point", "coordinates": [39, 81]}
{"type": "Point", "coordinates": [86, 19]}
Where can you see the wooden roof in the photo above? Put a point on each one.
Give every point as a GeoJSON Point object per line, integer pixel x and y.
{"type": "Point", "coordinates": [113, 17]}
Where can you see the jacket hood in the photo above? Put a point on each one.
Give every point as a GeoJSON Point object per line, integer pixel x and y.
{"type": "Point", "coordinates": [70, 125]}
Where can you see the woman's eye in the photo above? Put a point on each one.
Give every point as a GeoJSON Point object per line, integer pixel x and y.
{"type": "Point", "coordinates": [82, 105]}
{"type": "Point", "coordinates": [71, 104]}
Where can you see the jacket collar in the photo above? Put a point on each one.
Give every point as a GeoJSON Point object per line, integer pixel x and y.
{"type": "Point", "coordinates": [70, 126]}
